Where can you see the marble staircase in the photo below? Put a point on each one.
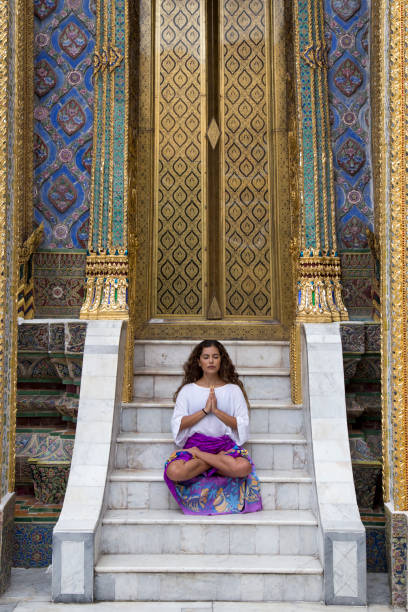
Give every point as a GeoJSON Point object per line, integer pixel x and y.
{"type": "Point", "coordinates": [151, 551]}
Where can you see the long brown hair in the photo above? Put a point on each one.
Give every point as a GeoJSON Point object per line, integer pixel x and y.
{"type": "Point", "coordinates": [193, 371]}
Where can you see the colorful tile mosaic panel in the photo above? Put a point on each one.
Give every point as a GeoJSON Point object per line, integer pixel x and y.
{"type": "Point", "coordinates": [347, 34]}
{"type": "Point", "coordinates": [64, 44]}
{"type": "Point", "coordinates": [33, 525]}
{"type": "Point", "coordinates": [59, 286]}
{"type": "Point", "coordinates": [357, 269]}
{"type": "Point", "coordinates": [32, 544]}
{"type": "Point", "coordinates": [375, 541]}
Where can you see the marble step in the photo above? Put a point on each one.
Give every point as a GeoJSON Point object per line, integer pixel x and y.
{"type": "Point", "coordinates": [145, 489]}
{"type": "Point", "coordinates": [260, 383]}
{"type": "Point", "coordinates": [267, 416]}
{"type": "Point", "coordinates": [284, 532]}
{"type": "Point", "coordinates": [268, 451]}
{"type": "Point", "coordinates": [208, 578]}
{"type": "Point", "coordinates": [245, 353]}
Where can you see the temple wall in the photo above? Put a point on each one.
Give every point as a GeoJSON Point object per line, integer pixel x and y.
{"type": "Point", "coordinates": [11, 12]}
{"type": "Point", "coordinates": [64, 38]}
{"type": "Point", "coordinates": [64, 42]}
{"type": "Point", "coordinates": [348, 37]}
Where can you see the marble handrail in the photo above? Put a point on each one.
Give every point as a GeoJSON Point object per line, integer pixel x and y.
{"type": "Point", "coordinates": [76, 535]}
{"type": "Point", "coordinates": [342, 534]}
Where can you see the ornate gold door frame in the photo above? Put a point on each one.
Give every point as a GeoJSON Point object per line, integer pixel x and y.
{"type": "Point", "coordinates": [246, 311]}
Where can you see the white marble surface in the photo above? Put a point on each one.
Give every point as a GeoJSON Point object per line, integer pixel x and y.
{"type": "Point", "coordinates": [100, 395]}
{"type": "Point", "coordinates": [30, 589]}
{"type": "Point", "coordinates": [242, 353]}
{"type": "Point", "coordinates": [326, 424]}
{"type": "Point", "coordinates": [345, 569]}
{"type": "Point", "coordinates": [154, 418]}
{"type": "Point", "coordinates": [72, 568]}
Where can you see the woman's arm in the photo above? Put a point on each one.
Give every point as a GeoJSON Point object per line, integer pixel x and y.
{"type": "Point", "coordinates": [191, 419]}
{"type": "Point", "coordinates": [227, 419]}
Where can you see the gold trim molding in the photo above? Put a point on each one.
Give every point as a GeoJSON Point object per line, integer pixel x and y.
{"type": "Point", "coordinates": [379, 153]}
{"type": "Point", "coordinates": [314, 247]}
{"type": "Point", "coordinates": [106, 286]}
{"type": "Point", "coordinates": [319, 289]}
{"type": "Point", "coordinates": [25, 292]}
{"type": "Point", "coordinates": [16, 172]}
{"type": "Point", "coordinates": [392, 201]}
{"type": "Point", "coordinates": [107, 266]}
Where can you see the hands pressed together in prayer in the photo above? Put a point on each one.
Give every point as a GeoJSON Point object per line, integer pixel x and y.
{"type": "Point", "coordinates": [210, 408]}
{"type": "Point", "coordinates": [211, 404]}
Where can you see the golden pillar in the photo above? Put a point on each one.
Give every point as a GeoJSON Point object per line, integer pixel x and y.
{"type": "Point", "coordinates": [317, 262]}
{"type": "Point", "coordinates": [318, 295]}
{"type": "Point", "coordinates": [389, 69]}
{"type": "Point", "coordinates": [107, 260]}
{"type": "Point", "coordinates": [16, 18]}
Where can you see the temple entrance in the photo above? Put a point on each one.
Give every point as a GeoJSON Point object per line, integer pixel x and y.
{"type": "Point", "coordinates": [212, 168]}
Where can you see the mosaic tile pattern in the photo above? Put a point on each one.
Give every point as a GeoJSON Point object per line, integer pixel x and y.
{"type": "Point", "coordinates": [397, 544]}
{"type": "Point", "coordinates": [357, 269]}
{"type": "Point", "coordinates": [32, 544]}
{"type": "Point", "coordinates": [347, 34]}
{"type": "Point", "coordinates": [375, 542]}
{"type": "Point", "coordinates": [59, 286]}
{"type": "Point", "coordinates": [64, 44]}
{"type": "Point", "coordinates": [362, 373]}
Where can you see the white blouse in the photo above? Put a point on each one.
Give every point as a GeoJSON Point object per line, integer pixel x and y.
{"type": "Point", "coordinates": [230, 399]}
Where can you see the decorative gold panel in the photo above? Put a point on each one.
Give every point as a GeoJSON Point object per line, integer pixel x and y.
{"type": "Point", "coordinates": [180, 172]}
{"type": "Point", "coordinates": [245, 157]}
{"type": "Point", "coordinates": [147, 223]}
{"type": "Point", "coordinates": [379, 151]}
{"type": "Point", "coordinates": [396, 247]}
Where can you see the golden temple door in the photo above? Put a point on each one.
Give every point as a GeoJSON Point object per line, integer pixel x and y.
{"type": "Point", "coordinates": [213, 205]}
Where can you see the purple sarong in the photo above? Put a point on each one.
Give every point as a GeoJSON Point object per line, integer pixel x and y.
{"type": "Point", "coordinates": [211, 493]}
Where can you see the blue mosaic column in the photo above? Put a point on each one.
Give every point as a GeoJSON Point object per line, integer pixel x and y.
{"type": "Point", "coordinates": [318, 263]}
{"type": "Point", "coordinates": [107, 257]}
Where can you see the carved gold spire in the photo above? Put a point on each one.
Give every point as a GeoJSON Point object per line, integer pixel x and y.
{"type": "Point", "coordinates": [317, 264]}
{"type": "Point", "coordinates": [107, 260]}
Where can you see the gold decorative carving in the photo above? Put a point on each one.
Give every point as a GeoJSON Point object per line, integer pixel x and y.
{"type": "Point", "coordinates": [4, 199]}
{"type": "Point", "coordinates": [317, 265]}
{"type": "Point", "coordinates": [214, 311]}
{"type": "Point", "coordinates": [16, 171]}
{"type": "Point", "coordinates": [25, 292]}
{"type": "Point", "coordinates": [106, 59]}
{"type": "Point", "coordinates": [180, 159]}
{"type": "Point", "coordinates": [319, 289]}
{"type": "Point", "coordinates": [107, 264]}
{"type": "Point", "coordinates": [395, 256]}
{"type": "Point", "coordinates": [246, 165]}
{"type": "Point", "coordinates": [147, 323]}
{"type": "Point", "coordinates": [295, 364]}
{"type": "Point", "coordinates": [379, 154]}
{"type": "Point", "coordinates": [213, 133]}
{"type": "Point", "coordinates": [106, 286]}
{"type": "Point", "coordinates": [316, 56]}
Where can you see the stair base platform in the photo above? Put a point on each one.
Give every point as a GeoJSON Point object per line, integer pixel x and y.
{"type": "Point", "coordinates": [208, 578]}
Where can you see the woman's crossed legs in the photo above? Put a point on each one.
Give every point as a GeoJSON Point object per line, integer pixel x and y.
{"type": "Point", "coordinates": [226, 465]}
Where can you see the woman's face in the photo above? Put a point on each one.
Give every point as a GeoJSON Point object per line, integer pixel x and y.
{"type": "Point", "coordinates": [210, 360]}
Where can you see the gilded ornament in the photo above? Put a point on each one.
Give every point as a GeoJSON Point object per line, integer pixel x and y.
{"type": "Point", "coordinates": [394, 258]}
{"type": "Point", "coordinates": [25, 291]}
{"type": "Point", "coordinates": [107, 267]}
{"type": "Point", "coordinates": [379, 150]}
{"type": "Point", "coordinates": [317, 265]}
{"type": "Point", "coordinates": [295, 364]}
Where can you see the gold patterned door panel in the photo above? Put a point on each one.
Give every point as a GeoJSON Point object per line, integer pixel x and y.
{"type": "Point", "coordinates": [212, 205]}
{"type": "Point", "coordinates": [180, 166]}
{"type": "Point", "coordinates": [245, 159]}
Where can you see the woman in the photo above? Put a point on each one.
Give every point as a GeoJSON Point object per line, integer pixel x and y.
{"type": "Point", "coordinates": [212, 474]}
